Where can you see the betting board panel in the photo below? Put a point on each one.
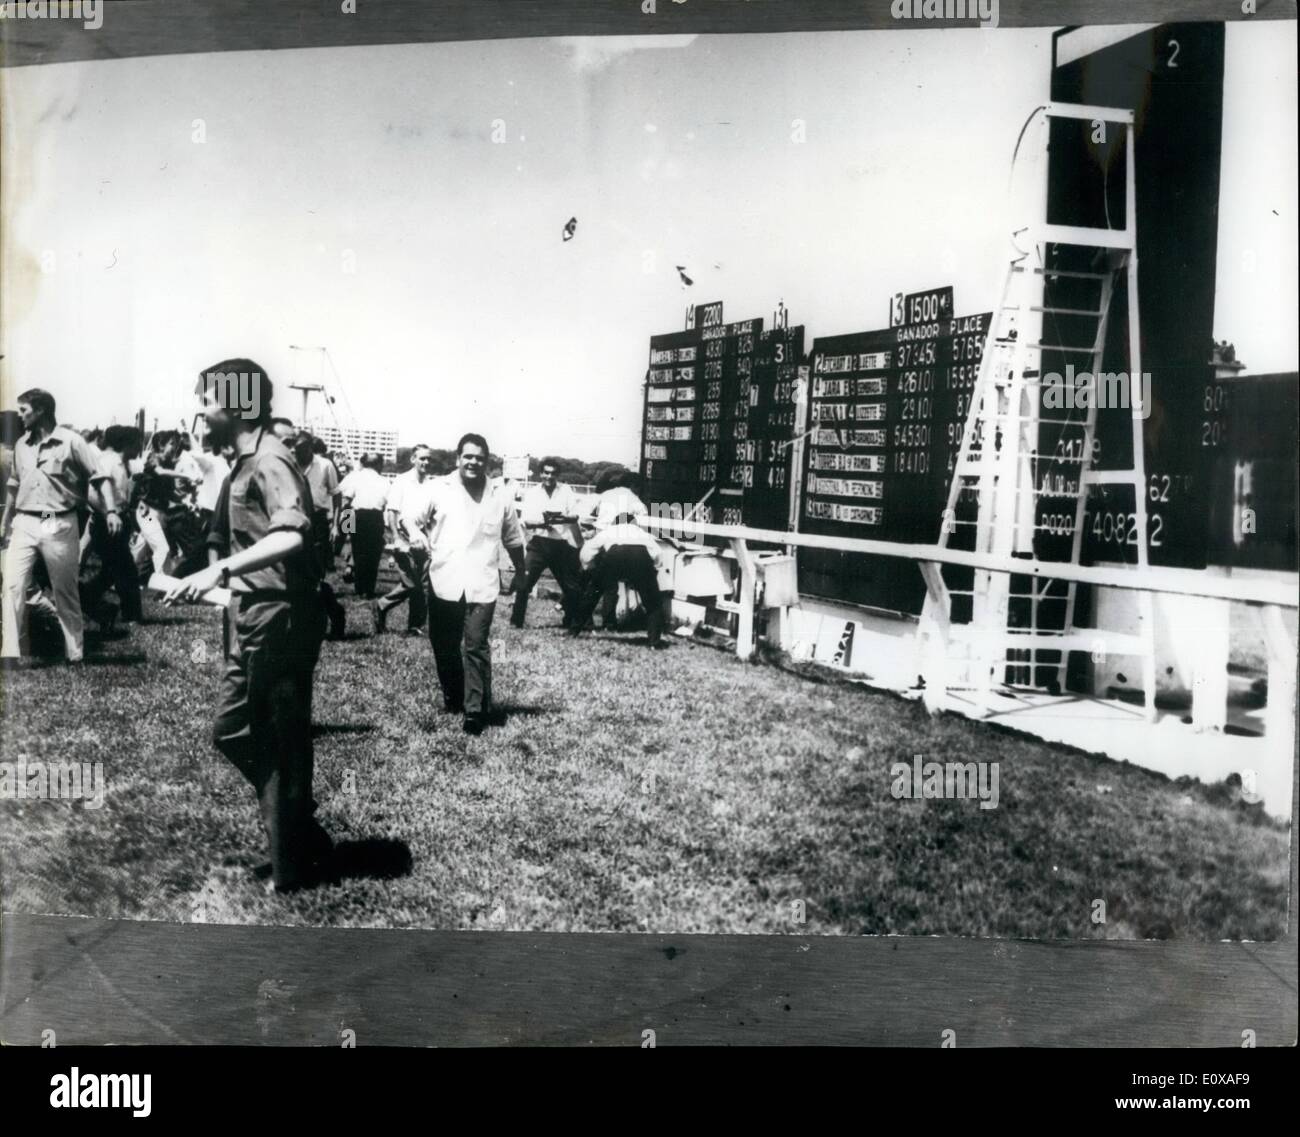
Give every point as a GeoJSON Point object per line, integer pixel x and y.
{"type": "Point", "coordinates": [718, 420]}
{"type": "Point", "coordinates": [886, 413]}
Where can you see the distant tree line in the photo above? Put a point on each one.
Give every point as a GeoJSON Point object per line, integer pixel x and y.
{"type": "Point", "coordinates": [572, 470]}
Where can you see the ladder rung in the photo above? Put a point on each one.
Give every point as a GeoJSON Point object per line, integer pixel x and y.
{"type": "Point", "coordinates": [1083, 639]}
{"type": "Point", "coordinates": [1070, 311]}
{"type": "Point", "coordinates": [1070, 273]}
{"type": "Point", "coordinates": [1112, 477]}
{"type": "Point", "coordinates": [1113, 642]}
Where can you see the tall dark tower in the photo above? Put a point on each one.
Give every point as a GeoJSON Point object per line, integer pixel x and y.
{"type": "Point", "coordinates": [1172, 78]}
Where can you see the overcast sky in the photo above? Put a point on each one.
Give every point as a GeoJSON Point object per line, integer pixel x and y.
{"type": "Point", "coordinates": [354, 198]}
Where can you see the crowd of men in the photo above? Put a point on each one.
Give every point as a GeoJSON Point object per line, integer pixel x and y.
{"type": "Point", "coordinates": [260, 508]}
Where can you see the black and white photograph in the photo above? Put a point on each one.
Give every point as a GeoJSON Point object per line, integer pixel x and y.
{"type": "Point", "coordinates": [824, 483]}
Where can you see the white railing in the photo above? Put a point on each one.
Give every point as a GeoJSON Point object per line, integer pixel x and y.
{"type": "Point", "coordinates": [1274, 595]}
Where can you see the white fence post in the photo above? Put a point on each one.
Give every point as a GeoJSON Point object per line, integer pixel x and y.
{"type": "Point", "coordinates": [1280, 714]}
{"type": "Point", "coordinates": [934, 641]}
{"type": "Point", "coordinates": [748, 594]}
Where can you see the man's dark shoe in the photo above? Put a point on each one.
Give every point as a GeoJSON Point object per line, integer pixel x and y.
{"type": "Point", "coordinates": [473, 724]}
{"type": "Point", "coordinates": [380, 614]}
{"type": "Point", "coordinates": [338, 625]}
{"type": "Point", "coordinates": [516, 623]}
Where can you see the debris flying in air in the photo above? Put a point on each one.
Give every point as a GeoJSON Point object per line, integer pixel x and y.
{"type": "Point", "coordinates": [570, 228]}
{"type": "Point", "coordinates": [686, 280]}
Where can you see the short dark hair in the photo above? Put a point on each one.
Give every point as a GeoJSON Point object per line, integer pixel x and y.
{"type": "Point", "coordinates": [42, 402]}
{"type": "Point", "coordinates": [122, 438]}
{"type": "Point", "coordinates": [553, 462]}
{"type": "Point", "coordinates": [318, 445]}
{"type": "Point", "coordinates": [163, 438]}
{"type": "Point", "coordinates": [240, 366]}
{"type": "Point", "coordinates": [478, 441]}
{"type": "Point", "coordinates": [372, 461]}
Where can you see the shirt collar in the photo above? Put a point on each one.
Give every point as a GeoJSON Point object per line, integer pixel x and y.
{"type": "Point", "coordinates": [56, 435]}
{"type": "Point", "coordinates": [260, 436]}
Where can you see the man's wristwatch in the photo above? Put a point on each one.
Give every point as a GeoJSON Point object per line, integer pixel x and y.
{"type": "Point", "coordinates": [225, 577]}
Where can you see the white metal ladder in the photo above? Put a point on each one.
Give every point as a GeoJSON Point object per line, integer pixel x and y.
{"type": "Point", "coordinates": [1070, 273]}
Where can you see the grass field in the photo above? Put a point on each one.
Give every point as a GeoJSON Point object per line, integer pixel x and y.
{"type": "Point", "coordinates": [625, 790]}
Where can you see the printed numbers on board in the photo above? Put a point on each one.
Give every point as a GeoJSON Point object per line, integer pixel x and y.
{"type": "Point", "coordinates": [896, 310]}
{"type": "Point", "coordinates": [1120, 528]}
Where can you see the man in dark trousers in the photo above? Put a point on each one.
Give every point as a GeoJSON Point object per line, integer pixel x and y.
{"type": "Point", "coordinates": [323, 487]}
{"type": "Point", "coordinates": [624, 553]}
{"type": "Point", "coordinates": [119, 447]}
{"type": "Point", "coordinates": [364, 492]}
{"type": "Point", "coordinates": [407, 496]}
{"type": "Point", "coordinates": [465, 520]}
{"type": "Point", "coordinates": [261, 538]}
{"type": "Point", "coordinates": [550, 518]}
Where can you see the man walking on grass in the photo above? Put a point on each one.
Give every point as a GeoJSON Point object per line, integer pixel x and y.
{"type": "Point", "coordinates": [323, 485]}
{"type": "Point", "coordinates": [363, 493]}
{"type": "Point", "coordinates": [262, 547]}
{"type": "Point", "coordinates": [465, 522]}
{"type": "Point", "coordinates": [48, 497]}
{"type": "Point", "coordinates": [550, 514]}
{"type": "Point", "coordinates": [406, 500]}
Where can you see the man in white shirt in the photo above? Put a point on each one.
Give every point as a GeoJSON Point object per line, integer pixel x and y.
{"type": "Point", "coordinates": [550, 518]}
{"type": "Point", "coordinates": [613, 498]}
{"type": "Point", "coordinates": [406, 499]}
{"type": "Point", "coordinates": [622, 553]}
{"type": "Point", "coordinates": [465, 522]}
{"type": "Point", "coordinates": [363, 493]}
{"type": "Point", "coordinates": [614, 503]}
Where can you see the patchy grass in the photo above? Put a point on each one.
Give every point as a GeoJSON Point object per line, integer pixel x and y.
{"type": "Point", "coordinates": [626, 790]}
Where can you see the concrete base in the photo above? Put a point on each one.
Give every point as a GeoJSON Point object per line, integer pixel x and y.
{"type": "Point", "coordinates": [882, 648]}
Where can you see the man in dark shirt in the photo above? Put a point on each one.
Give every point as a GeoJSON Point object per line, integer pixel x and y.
{"type": "Point", "coordinates": [261, 537]}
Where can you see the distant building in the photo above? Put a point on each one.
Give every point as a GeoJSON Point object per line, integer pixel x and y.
{"type": "Point", "coordinates": [358, 442]}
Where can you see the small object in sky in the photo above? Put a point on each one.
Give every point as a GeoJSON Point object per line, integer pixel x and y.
{"type": "Point", "coordinates": [570, 228]}
{"type": "Point", "coordinates": [686, 280]}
